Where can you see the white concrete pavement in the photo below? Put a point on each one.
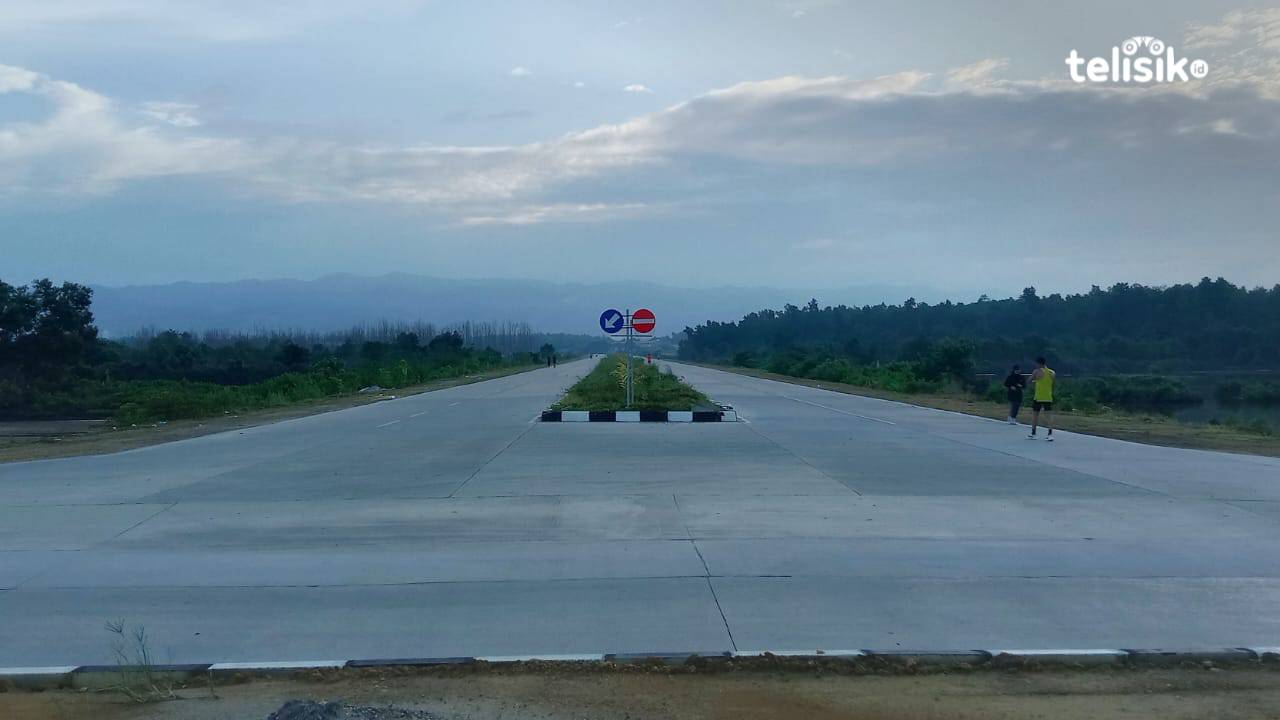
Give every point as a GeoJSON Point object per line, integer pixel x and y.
{"type": "Point", "coordinates": [450, 524]}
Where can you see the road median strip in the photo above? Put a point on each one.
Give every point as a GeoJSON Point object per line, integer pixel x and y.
{"type": "Point", "coordinates": [642, 416]}
{"type": "Point", "coordinates": [603, 396]}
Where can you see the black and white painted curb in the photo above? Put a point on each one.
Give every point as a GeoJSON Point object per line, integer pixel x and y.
{"type": "Point", "coordinates": [77, 676]}
{"type": "Point", "coordinates": [622, 416]}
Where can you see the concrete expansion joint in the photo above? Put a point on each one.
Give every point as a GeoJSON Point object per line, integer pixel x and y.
{"type": "Point", "coordinates": [44, 677]}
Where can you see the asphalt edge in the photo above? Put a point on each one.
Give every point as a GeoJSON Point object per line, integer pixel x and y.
{"type": "Point", "coordinates": [82, 676]}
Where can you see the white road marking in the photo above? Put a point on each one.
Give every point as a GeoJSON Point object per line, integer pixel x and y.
{"type": "Point", "coordinates": [842, 412]}
{"type": "Point", "coordinates": [454, 403]}
{"type": "Point", "coordinates": [388, 424]}
{"type": "Point", "coordinates": [418, 414]}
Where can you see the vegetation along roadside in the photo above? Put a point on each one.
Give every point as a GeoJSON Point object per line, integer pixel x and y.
{"type": "Point", "coordinates": [604, 388]}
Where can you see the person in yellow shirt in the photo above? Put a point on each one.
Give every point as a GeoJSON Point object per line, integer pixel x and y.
{"type": "Point", "coordinates": [1042, 398]}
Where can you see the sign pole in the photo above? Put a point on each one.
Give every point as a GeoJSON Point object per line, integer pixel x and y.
{"type": "Point", "coordinates": [611, 321]}
{"type": "Point", "coordinates": [630, 394]}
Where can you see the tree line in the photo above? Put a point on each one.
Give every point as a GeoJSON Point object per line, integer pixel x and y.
{"type": "Point", "coordinates": [55, 363]}
{"type": "Point", "coordinates": [1127, 328]}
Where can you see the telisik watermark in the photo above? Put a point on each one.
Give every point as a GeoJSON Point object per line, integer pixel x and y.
{"type": "Point", "coordinates": [1156, 64]}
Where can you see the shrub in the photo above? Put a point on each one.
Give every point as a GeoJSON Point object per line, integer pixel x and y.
{"type": "Point", "coordinates": [1253, 392]}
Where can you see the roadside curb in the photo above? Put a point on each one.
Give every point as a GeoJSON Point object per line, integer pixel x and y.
{"type": "Point", "coordinates": [80, 676]}
{"type": "Point", "coordinates": [642, 416]}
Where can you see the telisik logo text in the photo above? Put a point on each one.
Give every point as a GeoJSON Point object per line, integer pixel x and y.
{"type": "Point", "coordinates": [1159, 64]}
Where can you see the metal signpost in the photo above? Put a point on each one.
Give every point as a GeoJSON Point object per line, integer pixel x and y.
{"type": "Point", "coordinates": [642, 321]}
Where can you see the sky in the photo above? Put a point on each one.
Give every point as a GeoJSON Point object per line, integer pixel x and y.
{"type": "Point", "coordinates": [799, 144]}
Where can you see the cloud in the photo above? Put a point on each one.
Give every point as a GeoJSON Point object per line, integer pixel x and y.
{"type": "Point", "coordinates": [220, 22]}
{"type": "Point", "coordinates": [16, 79]}
{"type": "Point", "coordinates": [520, 71]}
{"type": "Point", "coordinates": [636, 88]}
{"type": "Point", "coordinates": [976, 75]}
{"type": "Point", "coordinates": [1242, 49]}
{"type": "Point", "coordinates": [1260, 25]}
{"type": "Point", "coordinates": [85, 145]}
{"type": "Point", "coordinates": [788, 138]}
{"type": "Point", "coordinates": [800, 8]}
{"type": "Point", "coordinates": [174, 113]}
{"type": "Point", "coordinates": [560, 212]}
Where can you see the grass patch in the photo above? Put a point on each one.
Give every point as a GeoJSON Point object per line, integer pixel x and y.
{"type": "Point", "coordinates": [604, 388]}
{"type": "Point", "coordinates": [136, 402]}
{"type": "Point", "coordinates": [139, 678]}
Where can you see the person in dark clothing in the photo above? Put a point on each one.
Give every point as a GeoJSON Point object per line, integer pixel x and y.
{"type": "Point", "coordinates": [1015, 384]}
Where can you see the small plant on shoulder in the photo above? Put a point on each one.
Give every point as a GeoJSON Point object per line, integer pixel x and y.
{"type": "Point", "coordinates": [140, 680]}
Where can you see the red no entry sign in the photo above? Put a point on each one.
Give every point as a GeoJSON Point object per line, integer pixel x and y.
{"type": "Point", "coordinates": [643, 320]}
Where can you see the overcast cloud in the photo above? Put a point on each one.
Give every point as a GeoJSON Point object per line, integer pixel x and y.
{"type": "Point", "coordinates": [801, 169]}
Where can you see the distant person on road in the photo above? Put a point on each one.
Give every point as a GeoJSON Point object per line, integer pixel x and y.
{"type": "Point", "coordinates": [553, 359]}
{"type": "Point", "coordinates": [1014, 385]}
{"type": "Point", "coordinates": [548, 361]}
{"type": "Point", "coordinates": [1042, 398]}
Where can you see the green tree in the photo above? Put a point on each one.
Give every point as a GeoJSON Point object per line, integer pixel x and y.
{"type": "Point", "coordinates": [293, 356]}
{"type": "Point", "coordinates": [446, 343]}
{"type": "Point", "coordinates": [46, 330]}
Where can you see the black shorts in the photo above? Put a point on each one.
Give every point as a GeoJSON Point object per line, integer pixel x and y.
{"type": "Point", "coordinates": [1039, 405]}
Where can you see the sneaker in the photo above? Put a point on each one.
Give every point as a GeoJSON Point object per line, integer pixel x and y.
{"type": "Point", "coordinates": [1011, 421]}
{"type": "Point", "coordinates": [1032, 436]}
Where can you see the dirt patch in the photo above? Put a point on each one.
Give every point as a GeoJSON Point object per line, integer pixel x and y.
{"type": "Point", "coordinates": [559, 694]}
{"type": "Point", "coordinates": [1147, 429]}
{"type": "Point", "coordinates": [65, 438]}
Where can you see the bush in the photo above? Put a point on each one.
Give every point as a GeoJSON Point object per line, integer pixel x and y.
{"type": "Point", "coordinates": [1253, 393]}
{"type": "Point", "coordinates": [1129, 393]}
{"type": "Point", "coordinates": [901, 376]}
{"type": "Point", "coordinates": [145, 401]}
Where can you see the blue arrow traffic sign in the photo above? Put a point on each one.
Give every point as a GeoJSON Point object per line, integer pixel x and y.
{"type": "Point", "coordinates": [611, 321]}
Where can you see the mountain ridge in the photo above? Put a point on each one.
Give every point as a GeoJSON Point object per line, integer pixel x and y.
{"type": "Point", "coordinates": [341, 300]}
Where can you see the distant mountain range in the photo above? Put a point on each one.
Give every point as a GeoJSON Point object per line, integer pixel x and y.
{"type": "Point", "coordinates": [339, 301]}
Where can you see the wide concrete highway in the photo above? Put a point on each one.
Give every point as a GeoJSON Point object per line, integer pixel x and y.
{"type": "Point", "coordinates": [450, 523]}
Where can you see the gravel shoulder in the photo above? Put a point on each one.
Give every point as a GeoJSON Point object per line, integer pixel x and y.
{"type": "Point", "coordinates": [1097, 694]}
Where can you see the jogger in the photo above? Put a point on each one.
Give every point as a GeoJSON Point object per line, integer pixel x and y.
{"type": "Point", "coordinates": [1015, 384]}
{"type": "Point", "coordinates": [1042, 398]}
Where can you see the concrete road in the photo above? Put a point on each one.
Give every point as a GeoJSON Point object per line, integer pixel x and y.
{"type": "Point", "coordinates": [450, 523]}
